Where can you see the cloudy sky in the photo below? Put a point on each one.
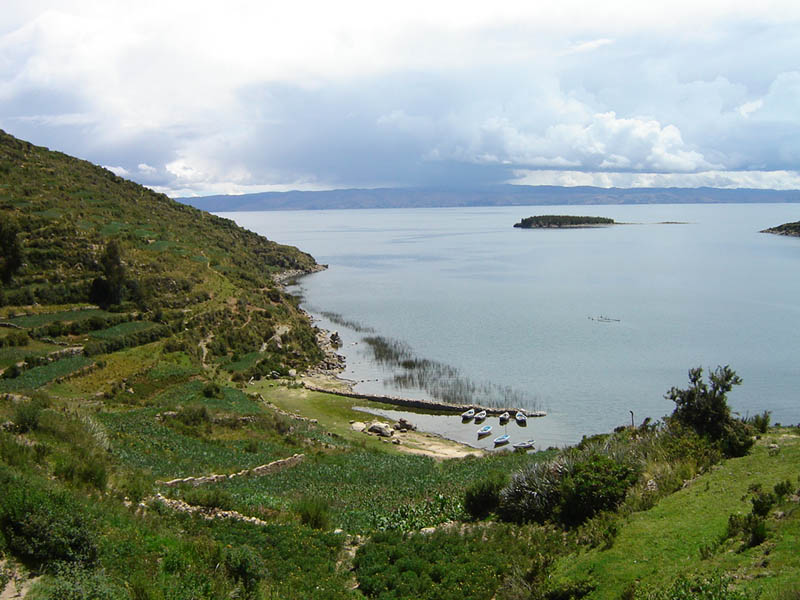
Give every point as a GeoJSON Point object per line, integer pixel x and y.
{"type": "Point", "coordinates": [195, 98]}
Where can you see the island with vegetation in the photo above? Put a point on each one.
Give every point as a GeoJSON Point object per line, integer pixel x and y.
{"type": "Point", "coordinates": [790, 229]}
{"type": "Point", "coordinates": [562, 221]}
{"type": "Point", "coordinates": [157, 440]}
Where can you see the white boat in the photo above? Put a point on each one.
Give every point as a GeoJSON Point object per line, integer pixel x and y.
{"type": "Point", "coordinates": [505, 417]}
{"type": "Point", "coordinates": [467, 415]}
{"type": "Point", "coordinates": [501, 439]}
{"type": "Point", "coordinates": [480, 416]}
{"type": "Point", "coordinates": [484, 431]}
{"type": "Point", "coordinates": [521, 418]}
{"type": "Point", "coordinates": [526, 445]}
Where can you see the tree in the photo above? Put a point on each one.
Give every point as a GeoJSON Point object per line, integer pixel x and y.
{"type": "Point", "coordinates": [10, 250]}
{"type": "Point", "coordinates": [109, 289]}
{"type": "Point", "coordinates": [704, 407]}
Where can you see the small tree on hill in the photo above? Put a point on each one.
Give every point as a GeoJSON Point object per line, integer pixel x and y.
{"type": "Point", "coordinates": [109, 289]}
{"type": "Point", "coordinates": [10, 250]}
{"type": "Point", "coordinates": [704, 407]}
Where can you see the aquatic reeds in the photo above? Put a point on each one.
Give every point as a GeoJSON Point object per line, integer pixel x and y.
{"type": "Point", "coordinates": [443, 382]}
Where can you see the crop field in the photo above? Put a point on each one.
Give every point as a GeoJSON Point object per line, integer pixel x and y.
{"type": "Point", "coordinates": [374, 490]}
{"type": "Point", "coordinates": [31, 321]}
{"type": "Point", "coordinates": [140, 441]}
{"type": "Point", "coordinates": [32, 379]}
{"type": "Point", "coordinates": [122, 329]}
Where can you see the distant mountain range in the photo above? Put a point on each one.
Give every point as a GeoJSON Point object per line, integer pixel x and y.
{"type": "Point", "coordinates": [500, 195]}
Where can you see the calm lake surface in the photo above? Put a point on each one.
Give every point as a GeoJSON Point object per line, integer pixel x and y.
{"type": "Point", "coordinates": [519, 308]}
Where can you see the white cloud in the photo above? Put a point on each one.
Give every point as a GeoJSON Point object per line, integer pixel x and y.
{"type": "Point", "coordinates": [165, 90]}
{"type": "Point", "coordinates": [778, 180]}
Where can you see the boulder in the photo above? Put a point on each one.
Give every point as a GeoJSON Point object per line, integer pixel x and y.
{"type": "Point", "coordinates": [381, 429]}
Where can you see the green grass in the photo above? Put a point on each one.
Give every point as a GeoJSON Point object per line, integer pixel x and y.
{"type": "Point", "coordinates": [32, 379]}
{"type": "Point", "coordinates": [657, 545]}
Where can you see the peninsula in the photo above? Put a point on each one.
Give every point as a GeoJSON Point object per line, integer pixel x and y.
{"type": "Point", "coordinates": [791, 229]}
{"type": "Point", "coordinates": [562, 222]}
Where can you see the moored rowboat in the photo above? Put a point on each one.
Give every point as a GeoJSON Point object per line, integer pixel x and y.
{"type": "Point", "coordinates": [467, 415]}
{"type": "Point", "coordinates": [480, 416]}
{"type": "Point", "coordinates": [524, 445]}
{"type": "Point", "coordinates": [485, 430]}
{"type": "Point", "coordinates": [501, 439]}
{"type": "Point", "coordinates": [521, 418]}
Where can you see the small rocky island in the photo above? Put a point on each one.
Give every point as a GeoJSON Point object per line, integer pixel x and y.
{"type": "Point", "coordinates": [792, 229]}
{"type": "Point", "coordinates": [562, 221]}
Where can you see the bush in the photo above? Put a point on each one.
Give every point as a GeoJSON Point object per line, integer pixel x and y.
{"type": "Point", "coordinates": [762, 502]}
{"type": "Point", "coordinates": [194, 415]}
{"type": "Point", "coordinates": [483, 497]}
{"type": "Point", "coordinates": [704, 407]}
{"type": "Point", "coordinates": [595, 484]}
{"type": "Point", "coordinates": [88, 469]}
{"type": "Point", "coordinates": [714, 588]}
{"type": "Point", "coordinates": [26, 415]}
{"type": "Point", "coordinates": [532, 494]}
{"type": "Point", "coordinates": [760, 422]}
{"type": "Point", "coordinates": [783, 489]}
{"type": "Point", "coordinates": [244, 565]}
{"type": "Point", "coordinates": [73, 582]}
{"type": "Point", "coordinates": [43, 527]}
{"type": "Point", "coordinates": [314, 512]}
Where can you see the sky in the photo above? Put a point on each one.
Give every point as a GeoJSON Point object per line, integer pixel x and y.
{"type": "Point", "coordinates": [197, 98]}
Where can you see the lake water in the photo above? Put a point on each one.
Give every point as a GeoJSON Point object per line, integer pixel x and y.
{"type": "Point", "coordinates": [520, 308]}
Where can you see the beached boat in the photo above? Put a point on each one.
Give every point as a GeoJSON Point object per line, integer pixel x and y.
{"type": "Point", "coordinates": [521, 418]}
{"type": "Point", "coordinates": [480, 416]}
{"type": "Point", "coordinates": [501, 439]}
{"type": "Point", "coordinates": [524, 445]}
{"type": "Point", "coordinates": [468, 414]}
{"type": "Point", "coordinates": [505, 417]}
{"type": "Point", "coordinates": [485, 430]}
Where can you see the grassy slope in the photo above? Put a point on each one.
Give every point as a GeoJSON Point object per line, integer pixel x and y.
{"type": "Point", "coordinates": [656, 546]}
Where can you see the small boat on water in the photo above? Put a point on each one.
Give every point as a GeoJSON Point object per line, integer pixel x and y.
{"type": "Point", "coordinates": [526, 445]}
{"type": "Point", "coordinates": [501, 439]}
{"type": "Point", "coordinates": [467, 415]}
{"type": "Point", "coordinates": [505, 417]}
{"type": "Point", "coordinates": [484, 431]}
{"type": "Point", "coordinates": [521, 418]}
{"type": "Point", "coordinates": [480, 416]}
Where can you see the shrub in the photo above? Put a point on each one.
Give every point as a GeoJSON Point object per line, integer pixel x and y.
{"type": "Point", "coordinates": [783, 489]}
{"type": "Point", "coordinates": [483, 497]}
{"type": "Point", "coordinates": [704, 407]}
{"type": "Point", "coordinates": [760, 422]}
{"type": "Point", "coordinates": [595, 484]}
{"type": "Point", "coordinates": [88, 469]}
{"type": "Point", "coordinates": [532, 494]}
{"type": "Point", "coordinates": [43, 527]}
{"type": "Point", "coordinates": [26, 415]}
{"type": "Point", "coordinates": [314, 512]}
{"type": "Point", "coordinates": [762, 502]}
{"type": "Point", "coordinates": [714, 588]}
{"type": "Point", "coordinates": [194, 415]}
{"type": "Point", "coordinates": [244, 564]}
{"type": "Point", "coordinates": [73, 582]}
